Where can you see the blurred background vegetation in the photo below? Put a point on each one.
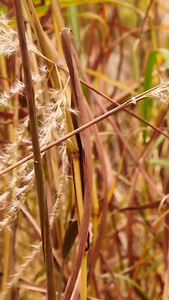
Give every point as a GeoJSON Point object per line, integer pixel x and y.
{"type": "Point", "coordinates": [120, 49]}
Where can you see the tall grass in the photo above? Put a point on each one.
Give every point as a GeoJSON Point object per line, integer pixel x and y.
{"type": "Point", "coordinates": [84, 150]}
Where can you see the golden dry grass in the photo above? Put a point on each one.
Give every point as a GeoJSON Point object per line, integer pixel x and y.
{"type": "Point", "coordinates": [84, 150]}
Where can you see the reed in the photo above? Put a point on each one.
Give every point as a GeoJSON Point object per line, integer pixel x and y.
{"type": "Point", "coordinates": [84, 150]}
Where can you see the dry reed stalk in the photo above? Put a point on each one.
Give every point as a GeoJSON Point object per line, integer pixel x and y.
{"type": "Point", "coordinates": [43, 211]}
{"type": "Point", "coordinates": [6, 233]}
{"type": "Point", "coordinates": [86, 164]}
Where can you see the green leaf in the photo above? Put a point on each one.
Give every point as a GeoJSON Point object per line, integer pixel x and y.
{"type": "Point", "coordinates": [73, 21]}
{"type": "Point", "coordinates": [165, 53]}
{"type": "Point", "coordinates": [132, 282]}
{"type": "Point", "coordinates": [146, 105]}
{"type": "Point", "coordinates": [159, 161]}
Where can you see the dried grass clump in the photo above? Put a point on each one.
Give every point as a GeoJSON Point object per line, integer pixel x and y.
{"type": "Point", "coordinates": [84, 151]}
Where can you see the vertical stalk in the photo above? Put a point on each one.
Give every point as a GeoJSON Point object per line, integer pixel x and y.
{"type": "Point", "coordinates": [43, 211]}
{"type": "Point", "coordinates": [85, 164]}
{"type": "Point", "coordinates": [8, 235]}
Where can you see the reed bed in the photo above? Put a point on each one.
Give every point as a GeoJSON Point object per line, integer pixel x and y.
{"type": "Point", "coordinates": [84, 162]}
